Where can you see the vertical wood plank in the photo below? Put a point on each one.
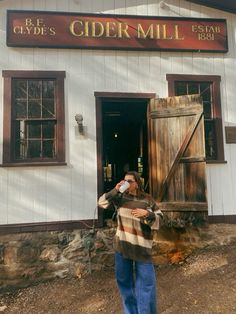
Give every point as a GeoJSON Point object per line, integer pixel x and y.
{"type": "Point", "coordinates": [155, 78]}
{"type": "Point", "coordinates": [58, 203]}
{"type": "Point", "coordinates": [184, 8]}
{"type": "Point", "coordinates": [120, 6]}
{"type": "Point", "coordinates": [51, 5]}
{"type": "Point", "coordinates": [144, 68]}
{"type": "Point", "coordinates": [153, 8]}
{"type": "Point", "coordinates": [142, 8]}
{"type": "Point", "coordinates": [39, 5]}
{"type": "Point", "coordinates": [40, 193]}
{"type": "Point", "coordinates": [98, 6]}
{"type": "Point", "coordinates": [122, 71]}
{"type": "Point", "coordinates": [132, 68]}
{"type": "Point", "coordinates": [131, 7]}
{"type": "Point", "coordinates": [110, 70]}
{"type": "Point", "coordinates": [4, 185]}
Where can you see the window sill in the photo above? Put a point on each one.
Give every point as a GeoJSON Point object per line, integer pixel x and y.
{"type": "Point", "coordinates": [33, 164]}
{"type": "Point", "coordinates": [216, 161]}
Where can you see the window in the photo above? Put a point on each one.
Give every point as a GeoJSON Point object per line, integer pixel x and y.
{"type": "Point", "coordinates": [33, 126]}
{"type": "Point", "coordinates": [209, 89]}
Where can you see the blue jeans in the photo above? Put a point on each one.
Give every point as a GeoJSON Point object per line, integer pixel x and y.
{"type": "Point", "coordinates": [137, 285]}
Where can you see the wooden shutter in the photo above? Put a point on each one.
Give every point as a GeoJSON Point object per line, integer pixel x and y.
{"type": "Point", "coordinates": [177, 153]}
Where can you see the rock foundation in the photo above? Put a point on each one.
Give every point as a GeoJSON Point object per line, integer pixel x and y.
{"type": "Point", "coordinates": [28, 258]}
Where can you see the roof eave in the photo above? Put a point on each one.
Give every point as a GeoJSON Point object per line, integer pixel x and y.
{"type": "Point", "coordinates": [217, 5]}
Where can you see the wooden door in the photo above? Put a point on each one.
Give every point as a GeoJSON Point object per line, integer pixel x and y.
{"type": "Point", "coordinates": [177, 157]}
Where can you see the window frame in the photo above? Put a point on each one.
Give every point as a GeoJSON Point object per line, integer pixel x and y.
{"type": "Point", "coordinates": [8, 141]}
{"type": "Point", "coordinates": [216, 102]}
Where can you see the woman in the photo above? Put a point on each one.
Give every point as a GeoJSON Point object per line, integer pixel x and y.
{"type": "Point", "coordinates": [137, 216]}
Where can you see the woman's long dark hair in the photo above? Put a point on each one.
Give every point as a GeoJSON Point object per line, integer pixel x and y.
{"type": "Point", "coordinates": [136, 176]}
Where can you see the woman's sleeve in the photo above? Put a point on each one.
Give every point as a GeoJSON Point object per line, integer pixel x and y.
{"type": "Point", "coordinates": [105, 200]}
{"type": "Point", "coordinates": [154, 216]}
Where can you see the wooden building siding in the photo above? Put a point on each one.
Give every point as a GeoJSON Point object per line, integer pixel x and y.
{"type": "Point", "coordinates": [46, 194]}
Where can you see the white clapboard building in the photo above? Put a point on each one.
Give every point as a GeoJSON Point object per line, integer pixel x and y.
{"type": "Point", "coordinates": [93, 88]}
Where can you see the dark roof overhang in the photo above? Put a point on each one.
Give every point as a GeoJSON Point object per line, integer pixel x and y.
{"type": "Point", "coordinates": [224, 5]}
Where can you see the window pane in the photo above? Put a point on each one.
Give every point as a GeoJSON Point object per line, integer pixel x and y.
{"type": "Point", "coordinates": [48, 149]}
{"type": "Point", "coordinates": [19, 127]}
{"type": "Point", "coordinates": [34, 89]}
{"type": "Point", "coordinates": [193, 88]}
{"type": "Point", "coordinates": [34, 149]}
{"type": "Point", "coordinates": [210, 140]}
{"type": "Point", "coordinates": [48, 89]}
{"type": "Point", "coordinates": [20, 89]}
{"type": "Point", "coordinates": [20, 109]}
{"type": "Point", "coordinates": [48, 129]}
{"type": "Point", "coordinates": [34, 130]}
{"type": "Point", "coordinates": [181, 88]}
{"type": "Point", "coordinates": [34, 109]}
{"type": "Point", "coordinates": [207, 110]}
{"type": "Point", "coordinates": [205, 89]}
{"type": "Point", "coordinates": [48, 110]}
{"type": "Point", "coordinates": [20, 149]}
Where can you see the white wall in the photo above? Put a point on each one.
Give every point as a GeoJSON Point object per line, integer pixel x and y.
{"type": "Point", "coordinates": [40, 194]}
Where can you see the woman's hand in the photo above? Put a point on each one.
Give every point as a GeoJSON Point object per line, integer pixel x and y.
{"type": "Point", "coordinates": [117, 187]}
{"type": "Point", "coordinates": [139, 212]}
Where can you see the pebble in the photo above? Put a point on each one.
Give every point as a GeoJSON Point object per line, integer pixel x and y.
{"type": "Point", "coordinates": [3, 308]}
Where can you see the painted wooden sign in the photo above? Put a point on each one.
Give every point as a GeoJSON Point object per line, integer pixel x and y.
{"type": "Point", "coordinates": [103, 31]}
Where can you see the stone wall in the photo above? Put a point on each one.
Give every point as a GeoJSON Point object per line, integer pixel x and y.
{"type": "Point", "coordinates": [27, 258]}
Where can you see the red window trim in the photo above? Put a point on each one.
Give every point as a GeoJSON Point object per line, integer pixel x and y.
{"type": "Point", "coordinates": [7, 122]}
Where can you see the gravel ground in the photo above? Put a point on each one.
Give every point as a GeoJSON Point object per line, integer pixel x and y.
{"type": "Point", "coordinates": [204, 284]}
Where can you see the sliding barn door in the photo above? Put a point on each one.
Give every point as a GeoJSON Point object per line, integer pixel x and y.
{"type": "Point", "coordinates": [177, 156]}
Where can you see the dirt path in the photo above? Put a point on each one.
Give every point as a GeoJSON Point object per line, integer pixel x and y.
{"type": "Point", "coordinates": [204, 284]}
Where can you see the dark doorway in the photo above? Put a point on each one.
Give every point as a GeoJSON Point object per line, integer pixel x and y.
{"type": "Point", "coordinates": [124, 132]}
{"type": "Point", "coordinates": [121, 127]}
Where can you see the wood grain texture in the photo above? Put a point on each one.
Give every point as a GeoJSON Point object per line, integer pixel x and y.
{"type": "Point", "coordinates": [173, 180]}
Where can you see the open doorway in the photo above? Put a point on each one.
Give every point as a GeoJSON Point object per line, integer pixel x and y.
{"type": "Point", "coordinates": [168, 151]}
{"type": "Point", "coordinates": [124, 128]}
{"type": "Point", "coordinates": [122, 137]}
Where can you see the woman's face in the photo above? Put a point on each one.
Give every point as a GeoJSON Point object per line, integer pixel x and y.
{"type": "Point", "coordinates": [133, 184]}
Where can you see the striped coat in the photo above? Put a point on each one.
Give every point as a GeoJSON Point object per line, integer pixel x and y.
{"type": "Point", "coordinates": [134, 236]}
